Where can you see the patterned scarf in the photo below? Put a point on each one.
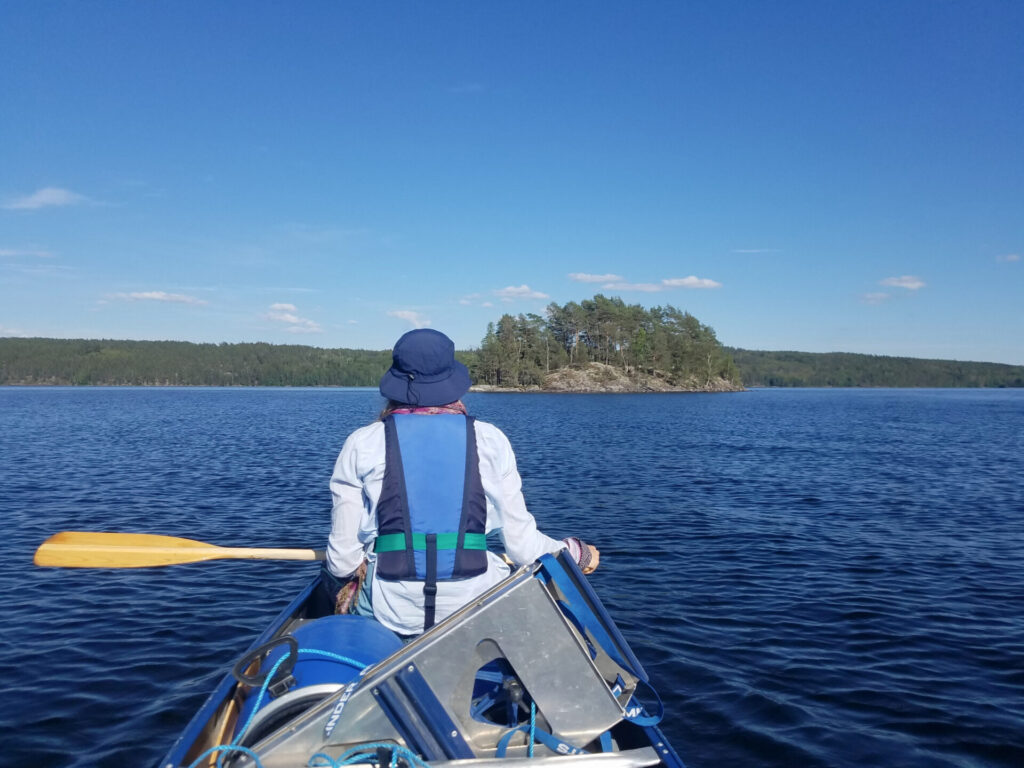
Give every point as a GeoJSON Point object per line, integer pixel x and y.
{"type": "Point", "coordinates": [457, 407]}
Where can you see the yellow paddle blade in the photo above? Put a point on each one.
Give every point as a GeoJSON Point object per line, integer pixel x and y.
{"type": "Point", "coordinates": [81, 549]}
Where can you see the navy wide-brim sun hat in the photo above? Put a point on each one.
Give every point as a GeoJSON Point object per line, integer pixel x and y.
{"type": "Point", "coordinates": [424, 370]}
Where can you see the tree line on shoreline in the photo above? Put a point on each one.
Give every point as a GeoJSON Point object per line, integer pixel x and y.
{"type": "Point", "coordinates": [181, 363]}
{"type": "Point", "coordinates": [516, 352]}
{"type": "Point", "coordinates": [847, 369]}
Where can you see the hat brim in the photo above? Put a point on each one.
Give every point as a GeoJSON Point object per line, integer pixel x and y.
{"type": "Point", "coordinates": [402, 389]}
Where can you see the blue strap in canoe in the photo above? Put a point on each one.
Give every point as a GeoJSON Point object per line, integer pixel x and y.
{"type": "Point", "coordinates": [545, 738]}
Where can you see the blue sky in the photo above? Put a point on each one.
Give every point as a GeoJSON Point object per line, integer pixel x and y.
{"type": "Point", "coordinates": [825, 176]}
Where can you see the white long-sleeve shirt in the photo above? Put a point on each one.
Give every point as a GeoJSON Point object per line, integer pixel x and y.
{"type": "Point", "coordinates": [355, 488]}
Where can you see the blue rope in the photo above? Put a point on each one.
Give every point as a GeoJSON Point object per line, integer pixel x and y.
{"type": "Point", "coordinates": [259, 699]}
{"type": "Point", "coordinates": [235, 745]}
{"type": "Point", "coordinates": [533, 727]}
{"type": "Point", "coordinates": [334, 657]}
{"type": "Point", "coordinates": [365, 753]}
{"type": "Point", "coordinates": [229, 748]}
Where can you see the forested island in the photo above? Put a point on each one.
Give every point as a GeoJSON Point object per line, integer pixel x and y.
{"type": "Point", "coordinates": [604, 344]}
{"type": "Point", "coordinates": [596, 345]}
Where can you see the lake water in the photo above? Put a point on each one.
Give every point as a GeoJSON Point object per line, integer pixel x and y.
{"type": "Point", "coordinates": [811, 577]}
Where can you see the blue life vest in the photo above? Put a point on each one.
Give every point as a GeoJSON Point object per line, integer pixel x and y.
{"type": "Point", "coordinates": [432, 512]}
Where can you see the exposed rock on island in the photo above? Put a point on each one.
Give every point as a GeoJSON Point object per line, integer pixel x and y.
{"type": "Point", "coordinates": [601, 378]}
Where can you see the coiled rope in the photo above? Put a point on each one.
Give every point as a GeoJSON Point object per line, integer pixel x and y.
{"type": "Point", "coordinates": [368, 753]}
{"type": "Point", "coordinates": [235, 745]}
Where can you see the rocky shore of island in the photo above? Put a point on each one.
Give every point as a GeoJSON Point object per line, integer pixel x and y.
{"type": "Point", "coordinates": [601, 378]}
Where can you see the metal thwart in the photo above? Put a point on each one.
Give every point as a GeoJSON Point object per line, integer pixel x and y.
{"type": "Point", "coordinates": [547, 632]}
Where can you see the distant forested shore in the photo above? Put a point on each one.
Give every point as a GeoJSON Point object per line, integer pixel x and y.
{"type": "Point", "coordinates": [107, 362]}
{"type": "Point", "coordinates": [511, 357]}
{"type": "Point", "coordinates": [845, 369]}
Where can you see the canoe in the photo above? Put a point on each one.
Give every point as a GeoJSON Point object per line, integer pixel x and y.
{"type": "Point", "coordinates": [533, 672]}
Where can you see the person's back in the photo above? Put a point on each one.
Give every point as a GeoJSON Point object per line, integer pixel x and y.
{"type": "Point", "coordinates": [416, 493]}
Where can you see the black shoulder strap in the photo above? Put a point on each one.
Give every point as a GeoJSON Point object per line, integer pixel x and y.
{"type": "Point", "coordinates": [430, 586]}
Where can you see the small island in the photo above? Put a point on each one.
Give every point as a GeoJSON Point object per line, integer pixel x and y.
{"type": "Point", "coordinates": [603, 345]}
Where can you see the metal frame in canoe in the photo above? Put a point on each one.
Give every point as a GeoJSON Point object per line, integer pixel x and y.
{"type": "Point", "coordinates": [533, 672]}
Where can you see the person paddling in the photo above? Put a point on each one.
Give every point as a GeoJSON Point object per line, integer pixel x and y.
{"type": "Point", "coordinates": [415, 493]}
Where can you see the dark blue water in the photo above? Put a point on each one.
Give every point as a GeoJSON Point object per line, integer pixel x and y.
{"type": "Point", "coordinates": [812, 577]}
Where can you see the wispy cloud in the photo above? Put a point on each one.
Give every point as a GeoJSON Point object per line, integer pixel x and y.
{"type": "Point", "coordinates": [39, 269]}
{"type": "Point", "coordinates": [415, 319]}
{"type": "Point", "coordinates": [47, 197]}
{"type": "Point", "coordinates": [875, 298]}
{"type": "Point", "coordinates": [477, 300]}
{"type": "Point", "coordinates": [1009, 257]}
{"type": "Point", "coordinates": [163, 296]}
{"type": "Point", "coordinates": [287, 314]}
{"type": "Point", "coordinates": [513, 292]}
{"type": "Point", "coordinates": [462, 88]}
{"type": "Point", "coordinates": [910, 282]}
{"type": "Point", "coordinates": [6, 331]}
{"type": "Point", "coordinates": [643, 287]}
{"type": "Point", "coordinates": [18, 252]}
{"type": "Point", "coordinates": [32, 262]}
{"type": "Point", "coordinates": [664, 285]}
{"type": "Point", "coordinates": [691, 282]}
{"type": "Point", "coordinates": [583, 277]}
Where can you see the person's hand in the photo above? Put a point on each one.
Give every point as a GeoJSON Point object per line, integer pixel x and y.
{"type": "Point", "coordinates": [595, 559]}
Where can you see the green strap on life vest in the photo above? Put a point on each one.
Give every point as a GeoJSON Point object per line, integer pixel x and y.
{"type": "Point", "coordinates": [395, 542]}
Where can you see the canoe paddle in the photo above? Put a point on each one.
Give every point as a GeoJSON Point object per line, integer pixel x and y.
{"type": "Point", "coordinates": [79, 549]}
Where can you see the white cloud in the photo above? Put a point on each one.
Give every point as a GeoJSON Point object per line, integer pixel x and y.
{"type": "Point", "coordinates": [512, 292]}
{"type": "Point", "coordinates": [619, 284]}
{"type": "Point", "coordinates": [5, 331]}
{"type": "Point", "coordinates": [645, 287]}
{"type": "Point", "coordinates": [487, 304]}
{"type": "Point", "coordinates": [691, 282]}
{"type": "Point", "coordinates": [415, 319]}
{"type": "Point", "coordinates": [173, 298]}
{"type": "Point", "coordinates": [1009, 257]}
{"type": "Point", "coordinates": [910, 282]}
{"type": "Point", "coordinates": [875, 298]}
{"type": "Point", "coordinates": [47, 197]}
{"type": "Point", "coordinates": [583, 277]}
{"type": "Point", "coordinates": [286, 313]}
{"type": "Point", "coordinates": [469, 300]}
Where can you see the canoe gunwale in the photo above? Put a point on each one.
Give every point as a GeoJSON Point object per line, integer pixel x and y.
{"type": "Point", "coordinates": [185, 751]}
